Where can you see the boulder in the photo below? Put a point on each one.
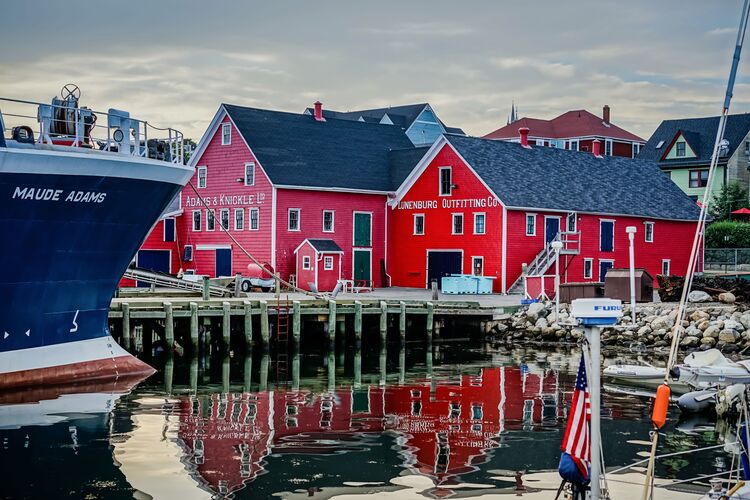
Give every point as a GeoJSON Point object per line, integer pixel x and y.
{"type": "Point", "coordinates": [731, 324]}
{"type": "Point", "coordinates": [541, 323]}
{"type": "Point", "coordinates": [699, 315]}
{"type": "Point", "coordinates": [644, 330]}
{"type": "Point", "coordinates": [698, 296]}
{"type": "Point", "coordinates": [709, 341]}
{"type": "Point", "coordinates": [745, 320]}
{"type": "Point", "coordinates": [728, 335]}
{"type": "Point", "coordinates": [535, 310]}
{"type": "Point", "coordinates": [727, 298]}
{"type": "Point", "coordinates": [712, 331]}
{"type": "Point", "coordinates": [499, 328]}
{"type": "Point", "coordinates": [665, 322]}
{"type": "Point", "coordinates": [689, 341]}
{"type": "Point", "coordinates": [704, 324]}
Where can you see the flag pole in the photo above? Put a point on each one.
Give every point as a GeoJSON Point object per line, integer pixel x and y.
{"type": "Point", "coordinates": [593, 338]}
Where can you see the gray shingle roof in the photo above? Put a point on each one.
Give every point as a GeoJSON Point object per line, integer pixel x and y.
{"type": "Point", "coordinates": [323, 245]}
{"type": "Point", "coordinates": [556, 179]}
{"type": "Point", "coordinates": [700, 133]}
{"type": "Point", "coordinates": [402, 162]}
{"type": "Point", "coordinates": [296, 150]}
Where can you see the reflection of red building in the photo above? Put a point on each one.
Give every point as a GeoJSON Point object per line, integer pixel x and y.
{"type": "Point", "coordinates": [446, 432]}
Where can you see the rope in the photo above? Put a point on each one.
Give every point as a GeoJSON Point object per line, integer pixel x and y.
{"type": "Point", "coordinates": [275, 275]}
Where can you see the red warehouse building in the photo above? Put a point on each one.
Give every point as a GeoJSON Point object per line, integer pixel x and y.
{"type": "Point", "coordinates": [487, 207]}
{"type": "Point", "coordinates": [277, 180]}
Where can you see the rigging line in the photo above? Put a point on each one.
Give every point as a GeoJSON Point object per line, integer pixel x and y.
{"type": "Point", "coordinates": [275, 274]}
{"type": "Point", "coordinates": [673, 454]}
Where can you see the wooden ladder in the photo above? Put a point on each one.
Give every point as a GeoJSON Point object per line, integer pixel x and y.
{"type": "Point", "coordinates": [282, 340]}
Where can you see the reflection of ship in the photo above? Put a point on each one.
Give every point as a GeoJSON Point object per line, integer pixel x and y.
{"type": "Point", "coordinates": [445, 430]}
{"type": "Point", "coordinates": [77, 201]}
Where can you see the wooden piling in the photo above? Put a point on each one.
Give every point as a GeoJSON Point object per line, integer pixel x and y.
{"type": "Point", "coordinates": [126, 326]}
{"type": "Point", "coordinates": [264, 327]}
{"type": "Point", "coordinates": [358, 320]}
{"type": "Point", "coordinates": [206, 292]}
{"type": "Point", "coordinates": [237, 285]}
{"type": "Point", "coordinates": [296, 321]}
{"type": "Point", "coordinates": [383, 320]}
{"type": "Point", "coordinates": [331, 320]}
{"type": "Point", "coordinates": [169, 326]}
{"type": "Point", "coordinates": [430, 320]}
{"type": "Point", "coordinates": [402, 321]}
{"type": "Point", "coordinates": [225, 324]}
{"type": "Point", "coordinates": [248, 324]}
{"type": "Point", "coordinates": [194, 327]}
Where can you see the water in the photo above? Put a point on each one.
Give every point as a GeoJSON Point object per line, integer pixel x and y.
{"type": "Point", "coordinates": [460, 418]}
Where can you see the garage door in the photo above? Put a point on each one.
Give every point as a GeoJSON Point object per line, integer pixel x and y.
{"type": "Point", "coordinates": [441, 264]}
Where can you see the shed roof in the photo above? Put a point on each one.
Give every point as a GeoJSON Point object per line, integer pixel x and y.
{"type": "Point", "coordinates": [324, 245]}
{"type": "Point", "coordinates": [556, 179]}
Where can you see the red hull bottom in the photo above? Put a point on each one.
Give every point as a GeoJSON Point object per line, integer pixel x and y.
{"type": "Point", "coordinates": [100, 369]}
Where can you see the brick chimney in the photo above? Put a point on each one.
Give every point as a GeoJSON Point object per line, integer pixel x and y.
{"type": "Point", "coordinates": [523, 133]}
{"type": "Point", "coordinates": [605, 113]}
{"type": "Point", "coordinates": [318, 111]}
{"type": "Point", "coordinates": [596, 147]}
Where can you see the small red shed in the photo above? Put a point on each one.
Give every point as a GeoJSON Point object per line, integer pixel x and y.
{"type": "Point", "coordinates": [318, 264]}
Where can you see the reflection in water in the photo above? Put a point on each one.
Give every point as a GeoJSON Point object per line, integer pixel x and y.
{"type": "Point", "coordinates": [215, 427]}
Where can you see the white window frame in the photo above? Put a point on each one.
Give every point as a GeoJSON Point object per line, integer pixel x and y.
{"type": "Point", "coordinates": [223, 211]}
{"type": "Point", "coordinates": [326, 260]}
{"type": "Point", "coordinates": [611, 261]}
{"type": "Point", "coordinates": [571, 143]}
{"type": "Point", "coordinates": [590, 274]}
{"type": "Point", "coordinates": [539, 142]}
{"type": "Point", "coordinates": [200, 221]}
{"type": "Point", "coordinates": [289, 219]}
{"type": "Point", "coordinates": [646, 226]}
{"type": "Point", "coordinates": [453, 224]}
{"type": "Point", "coordinates": [250, 219]}
{"type": "Point", "coordinates": [414, 225]}
{"type": "Point", "coordinates": [250, 165]}
{"type": "Point", "coordinates": [608, 144]}
{"type": "Point", "coordinates": [440, 181]}
{"type": "Point", "coordinates": [484, 222]}
{"type": "Point", "coordinates": [475, 258]}
{"type": "Point", "coordinates": [575, 222]}
{"type": "Point", "coordinates": [526, 225]}
{"type": "Point", "coordinates": [210, 215]}
{"type": "Point", "coordinates": [333, 221]}
{"type": "Point", "coordinates": [238, 227]}
{"type": "Point", "coordinates": [204, 171]}
{"type": "Point", "coordinates": [636, 149]}
{"type": "Point", "coordinates": [226, 134]}
{"type": "Point", "coordinates": [306, 263]}
{"type": "Point", "coordinates": [668, 262]}
{"type": "Point", "coordinates": [600, 234]}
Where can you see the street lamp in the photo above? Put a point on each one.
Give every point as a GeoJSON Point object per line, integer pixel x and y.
{"type": "Point", "coordinates": [557, 246]}
{"type": "Point", "coordinates": [631, 237]}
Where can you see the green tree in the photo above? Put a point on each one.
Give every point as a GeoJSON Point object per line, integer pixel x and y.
{"type": "Point", "coordinates": [732, 196]}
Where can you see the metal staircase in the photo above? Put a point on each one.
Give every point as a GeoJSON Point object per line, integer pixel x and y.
{"type": "Point", "coordinates": [543, 261]}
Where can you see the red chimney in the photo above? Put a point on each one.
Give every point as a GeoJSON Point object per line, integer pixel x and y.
{"type": "Point", "coordinates": [605, 113]}
{"type": "Point", "coordinates": [319, 111]}
{"type": "Point", "coordinates": [597, 148]}
{"type": "Point", "coordinates": [524, 133]}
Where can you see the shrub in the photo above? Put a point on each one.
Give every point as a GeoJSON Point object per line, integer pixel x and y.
{"type": "Point", "coordinates": [726, 234]}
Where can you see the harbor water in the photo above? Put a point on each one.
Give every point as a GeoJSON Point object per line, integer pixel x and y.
{"type": "Point", "coordinates": [454, 419]}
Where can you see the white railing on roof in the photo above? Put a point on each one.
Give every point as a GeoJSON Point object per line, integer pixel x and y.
{"type": "Point", "coordinates": [63, 123]}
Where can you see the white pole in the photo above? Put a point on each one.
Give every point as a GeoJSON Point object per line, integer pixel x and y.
{"type": "Point", "coordinates": [557, 245]}
{"type": "Point", "coordinates": [631, 236]}
{"type": "Point", "coordinates": [592, 332]}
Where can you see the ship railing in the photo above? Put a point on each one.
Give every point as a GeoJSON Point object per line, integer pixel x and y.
{"type": "Point", "coordinates": [114, 131]}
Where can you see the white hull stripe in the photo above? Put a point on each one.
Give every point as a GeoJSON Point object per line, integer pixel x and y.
{"type": "Point", "coordinates": [60, 354]}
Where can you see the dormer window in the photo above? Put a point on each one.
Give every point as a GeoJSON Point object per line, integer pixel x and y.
{"type": "Point", "coordinates": [226, 134]}
{"type": "Point", "coordinates": [680, 149]}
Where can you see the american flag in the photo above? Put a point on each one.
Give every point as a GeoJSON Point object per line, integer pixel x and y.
{"type": "Point", "coordinates": [576, 440]}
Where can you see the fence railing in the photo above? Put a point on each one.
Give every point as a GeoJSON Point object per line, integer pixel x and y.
{"type": "Point", "coordinates": [727, 259]}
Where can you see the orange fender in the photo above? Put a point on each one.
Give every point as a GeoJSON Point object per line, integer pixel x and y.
{"type": "Point", "coordinates": [661, 404]}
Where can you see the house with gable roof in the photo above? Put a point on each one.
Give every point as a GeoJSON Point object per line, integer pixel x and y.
{"type": "Point", "coordinates": [683, 149]}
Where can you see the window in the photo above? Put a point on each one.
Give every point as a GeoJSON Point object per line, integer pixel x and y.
{"type": "Point", "coordinates": [588, 268]}
{"type": "Point", "coordinates": [649, 231]}
{"type": "Point", "coordinates": [530, 224]}
{"type": "Point", "coordinates": [636, 149]}
{"type": "Point", "coordinates": [607, 235]}
{"type": "Point", "coordinates": [698, 178]}
{"type": "Point", "coordinates": [608, 147]}
{"type": "Point", "coordinates": [479, 224]}
{"type": "Point", "coordinates": [169, 230]}
{"type": "Point", "coordinates": [540, 142]}
{"type": "Point", "coordinates": [239, 219]}
{"type": "Point", "coordinates": [254, 219]}
{"type": "Point", "coordinates": [293, 219]}
{"type": "Point", "coordinates": [327, 221]}
{"type": "Point", "coordinates": [446, 181]}
{"type": "Point", "coordinates": [418, 224]}
{"type": "Point", "coordinates": [573, 145]}
{"type": "Point", "coordinates": [679, 149]}
{"type": "Point", "coordinates": [250, 174]}
{"type": "Point", "coordinates": [226, 134]}
{"type": "Point", "coordinates": [665, 267]}
{"type": "Point", "coordinates": [477, 266]}
{"type": "Point", "coordinates": [328, 263]}
{"type": "Point", "coordinates": [306, 262]}
{"type": "Point", "coordinates": [572, 222]}
{"type": "Point", "coordinates": [458, 223]}
{"type": "Point", "coordinates": [224, 214]}
{"type": "Point", "coordinates": [658, 146]}
{"type": "Point", "coordinates": [196, 220]}
{"type": "Point", "coordinates": [202, 173]}
{"type": "Point", "coordinates": [210, 220]}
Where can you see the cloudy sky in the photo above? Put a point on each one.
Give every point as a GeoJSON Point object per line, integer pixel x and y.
{"type": "Point", "coordinates": [173, 62]}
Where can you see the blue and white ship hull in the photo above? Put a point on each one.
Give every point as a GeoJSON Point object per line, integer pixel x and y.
{"type": "Point", "coordinates": [71, 222]}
